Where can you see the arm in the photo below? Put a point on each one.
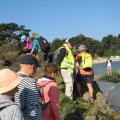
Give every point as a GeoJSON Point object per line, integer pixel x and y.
{"type": "Point", "coordinates": [33, 100]}
{"type": "Point", "coordinates": [78, 59]}
{"type": "Point", "coordinates": [33, 46]}
{"type": "Point", "coordinates": [54, 100]}
{"type": "Point", "coordinates": [20, 96]}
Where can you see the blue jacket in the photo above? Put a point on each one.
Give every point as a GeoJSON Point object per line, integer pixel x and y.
{"type": "Point", "coordinates": [36, 45]}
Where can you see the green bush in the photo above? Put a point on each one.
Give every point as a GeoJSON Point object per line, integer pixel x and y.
{"type": "Point", "coordinates": [115, 78]}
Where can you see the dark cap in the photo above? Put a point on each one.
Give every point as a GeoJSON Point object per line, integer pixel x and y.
{"type": "Point", "coordinates": [29, 59]}
{"type": "Point", "coordinates": [72, 42]}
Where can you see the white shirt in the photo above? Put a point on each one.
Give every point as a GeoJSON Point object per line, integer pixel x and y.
{"type": "Point", "coordinates": [109, 64]}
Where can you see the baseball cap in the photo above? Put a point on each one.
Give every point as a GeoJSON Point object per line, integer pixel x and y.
{"type": "Point", "coordinates": [29, 59]}
{"type": "Point", "coordinates": [72, 42]}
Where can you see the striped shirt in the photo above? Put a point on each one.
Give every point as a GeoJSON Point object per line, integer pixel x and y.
{"type": "Point", "coordinates": [28, 98]}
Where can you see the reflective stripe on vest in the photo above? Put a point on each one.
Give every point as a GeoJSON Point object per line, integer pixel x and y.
{"type": "Point", "coordinates": [68, 60]}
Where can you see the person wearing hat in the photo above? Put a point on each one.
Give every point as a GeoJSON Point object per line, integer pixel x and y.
{"type": "Point", "coordinates": [65, 60]}
{"type": "Point", "coordinates": [27, 97]}
{"type": "Point", "coordinates": [9, 81]}
{"type": "Point", "coordinates": [86, 72]}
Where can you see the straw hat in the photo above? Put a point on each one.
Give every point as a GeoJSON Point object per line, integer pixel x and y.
{"type": "Point", "coordinates": [8, 80]}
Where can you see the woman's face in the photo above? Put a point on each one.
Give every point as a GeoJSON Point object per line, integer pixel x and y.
{"type": "Point", "coordinates": [54, 75]}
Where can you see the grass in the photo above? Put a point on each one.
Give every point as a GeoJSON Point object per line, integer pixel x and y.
{"type": "Point", "coordinates": [115, 78]}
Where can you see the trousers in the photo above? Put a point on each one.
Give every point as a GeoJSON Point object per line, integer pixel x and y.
{"type": "Point", "coordinates": [68, 80]}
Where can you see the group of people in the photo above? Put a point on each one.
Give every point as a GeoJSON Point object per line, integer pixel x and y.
{"type": "Point", "coordinates": [25, 98]}
{"type": "Point", "coordinates": [75, 68]}
{"type": "Point", "coordinates": [20, 96]}
{"type": "Point", "coordinates": [32, 45]}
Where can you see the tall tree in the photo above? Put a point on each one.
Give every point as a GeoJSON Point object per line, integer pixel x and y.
{"type": "Point", "coordinates": [56, 43]}
{"type": "Point", "coordinates": [11, 30]}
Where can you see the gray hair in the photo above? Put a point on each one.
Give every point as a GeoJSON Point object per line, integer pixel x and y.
{"type": "Point", "coordinates": [82, 48]}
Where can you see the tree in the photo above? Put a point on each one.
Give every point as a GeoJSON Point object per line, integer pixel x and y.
{"type": "Point", "coordinates": [56, 43]}
{"type": "Point", "coordinates": [8, 31]}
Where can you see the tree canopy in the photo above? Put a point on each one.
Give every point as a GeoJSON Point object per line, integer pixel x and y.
{"type": "Point", "coordinates": [9, 31]}
{"type": "Point", "coordinates": [109, 45]}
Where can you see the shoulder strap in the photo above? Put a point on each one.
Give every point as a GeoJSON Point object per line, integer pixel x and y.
{"type": "Point", "coordinates": [42, 91]}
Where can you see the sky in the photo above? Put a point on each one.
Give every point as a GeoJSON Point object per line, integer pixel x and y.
{"type": "Point", "coordinates": [64, 18]}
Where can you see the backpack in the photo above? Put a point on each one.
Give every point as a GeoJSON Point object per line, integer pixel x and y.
{"type": "Point", "coordinates": [55, 56]}
{"type": "Point", "coordinates": [44, 44]}
{"type": "Point", "coordinates": [43, 104]}
{"type": "Point", "coordinates": [86, 60]}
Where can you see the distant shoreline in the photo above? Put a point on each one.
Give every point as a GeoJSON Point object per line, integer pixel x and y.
{"type": "Point", "coordinates": [104, 60]}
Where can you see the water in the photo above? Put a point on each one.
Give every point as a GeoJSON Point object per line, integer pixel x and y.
{"type": "Point", "coordinates": [100, 69]}
{"type": "Point", "coordinates": [114, 97]}
{"type": "Point", "coordinates": [110, 90]}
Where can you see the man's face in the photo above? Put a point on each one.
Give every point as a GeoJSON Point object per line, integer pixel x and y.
{"type": "Point", "coordinates": [70, 46]}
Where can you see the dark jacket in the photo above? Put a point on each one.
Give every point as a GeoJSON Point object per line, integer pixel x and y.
{"type": "Point", "coordinates": [61, 55]}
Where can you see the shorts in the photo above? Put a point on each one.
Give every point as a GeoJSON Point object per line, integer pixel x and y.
{"type": "Point", "coordinates": [81, 78]}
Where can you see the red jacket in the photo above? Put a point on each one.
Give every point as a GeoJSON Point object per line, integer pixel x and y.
{"type": "Point", "coordinates": [51, 96]}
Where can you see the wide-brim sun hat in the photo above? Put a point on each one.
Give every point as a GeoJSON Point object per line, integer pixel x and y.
{"type": "Point", "coordinates": [8, 80]}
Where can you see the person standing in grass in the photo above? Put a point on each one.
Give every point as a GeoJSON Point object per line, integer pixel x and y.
{"type": "Point", "coordinates": [109, 67]}
{"type": "Point", "coordinates": [86, 71]}
{"type": "Point", "coordinates": [66, 61]}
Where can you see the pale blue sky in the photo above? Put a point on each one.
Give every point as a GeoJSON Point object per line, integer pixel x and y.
{"type": "Point", "coordinates": [64, 18]}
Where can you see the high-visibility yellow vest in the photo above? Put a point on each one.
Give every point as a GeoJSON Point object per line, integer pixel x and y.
{"type": "Point", "coordinates": [86, 60]}
{"type": "Point", "coordinates": [68, 61]}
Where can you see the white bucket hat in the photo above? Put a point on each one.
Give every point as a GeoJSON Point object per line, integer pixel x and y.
{"type": "Point", "coordinates": [8, 80]}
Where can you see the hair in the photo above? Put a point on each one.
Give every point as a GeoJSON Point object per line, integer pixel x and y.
{"type": "Point", "coordinates": [51, 68]}
{"type": "Point", "coordinates": [33, 36]}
